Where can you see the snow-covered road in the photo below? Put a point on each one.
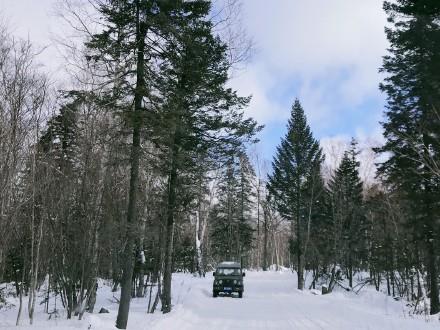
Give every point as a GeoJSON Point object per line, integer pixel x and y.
{"type": "Point", "coordinates": [271, 301]}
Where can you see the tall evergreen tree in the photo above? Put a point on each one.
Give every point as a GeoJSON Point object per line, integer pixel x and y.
{"type": "Point", "coordinates": [231, 233]}
{"type": "Point", "coordinates": [348, 220]}
{"type": "Point", "coordinates": [412, 119]}
{"type": "Point", "coordinates": [296, 160]}
{"type": "Point", "coordinates": [246, 205]}
{"type": "Point", "coordinates": [319, 226]}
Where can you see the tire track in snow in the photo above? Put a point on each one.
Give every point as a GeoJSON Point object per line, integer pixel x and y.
{"type": "Point", "coordinates": [302, 321]}
{"type": "Point", "coordinates": [271, 302]}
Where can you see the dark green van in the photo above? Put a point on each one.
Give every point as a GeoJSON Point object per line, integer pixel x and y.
{"type": "Point", "coordinates": [228, 278]}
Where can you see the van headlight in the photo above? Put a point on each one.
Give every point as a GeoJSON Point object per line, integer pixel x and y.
{"type": "Point", "coordinates": [235, 281]}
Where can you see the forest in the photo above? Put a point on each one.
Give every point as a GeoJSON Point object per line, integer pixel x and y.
{"type": "Point", "coordinates": [146, 166]}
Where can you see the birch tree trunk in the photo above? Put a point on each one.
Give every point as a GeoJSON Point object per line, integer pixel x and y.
{"type": "Point", "coordinates": [17, 323]}
{"type": "Point", "coordinates": [141, 284]}
{"type": "Point", "coordinates": [34, 275]}
{"type": "Point", "coordinates": [198, 244]}
{"type": "Point", "coordinates": [35, 259]}
{"type": "Point", "coordinates": [200, 228]}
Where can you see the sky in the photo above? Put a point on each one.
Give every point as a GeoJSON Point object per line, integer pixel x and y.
{"type": "Point", "coordinates": [325, 53]}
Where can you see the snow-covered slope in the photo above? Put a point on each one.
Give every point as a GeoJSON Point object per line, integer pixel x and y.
{"type": "Point", "coordinates": [270, 302]}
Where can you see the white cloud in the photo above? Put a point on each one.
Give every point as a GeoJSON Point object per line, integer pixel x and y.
{"type": "Point", "coordinates": [309, 37]}
{"type": "Point", "coordinates": [33, 20]}
{"type": "Point", "coordinates": [332, 48]}
{"type": "Point", "coordinates": [258, 83]}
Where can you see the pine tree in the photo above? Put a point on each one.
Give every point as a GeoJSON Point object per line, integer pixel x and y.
{"type": "Point", "coordinates": [349, 225]}
{"type": "Point", "coordinates": [231, 233]}
{"type": "Point", "coordinates": [319, 226]}
{"type": "Point", "coordinates": [59, 139]}
{"type": "Point", "coordinates": [296, 160]}
{"type": "Point", "coordinates": [223, 217]}
{"type": "Point", "coordinates": [246, 197]}
{"type": "Point", "coordinates": [412, 119]}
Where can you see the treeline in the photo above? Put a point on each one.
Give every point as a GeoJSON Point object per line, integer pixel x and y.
{"type": "Point", "coordinates": [144, 167]}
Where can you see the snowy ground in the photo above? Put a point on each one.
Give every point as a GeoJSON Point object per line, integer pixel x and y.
{"type": "Point", "coordinates": [270, 302]}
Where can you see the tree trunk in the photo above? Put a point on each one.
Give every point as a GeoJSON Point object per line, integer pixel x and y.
{"type": "Point", "coordinates": [392, 283]}
{"type": "Point", "coordinates": [300, 257]}
{"type": "Point", "coordinates": [199, 267]}
{"type": "Point", "coordinates": [258, 226]}
{"type": "Point", "coordinates": [127, 274]}
{"type": "Point", "coordinates": [350, 270]}
{"type": "Point", "coordinates": [412, 285]}
{"type": "Point", "coordinates": [34, 277]}
{"type": "Point", "coordinates": [46, 307]}
{"type": "Point", "coordinates": [265, 241]}
{"type": "Point", "coordinates": [34, 260]}
{"type": "Point", "coordinates": [430, 235]}
{"type": "Point", "coordinates": [333, 278]}
{"type": "Point", "coordinates": [94, 283]}
{"type": "Point", "coordinates": [158, 295]}
{"type": "Point", "coordinates": [128, 265]}
{"type": "Point", "coordinates": [433, 276]}
{"type": "Point", "coordinates": [140, 290]}
{"type": "Point", "coordinates": [20, 289]}
{"type": "Point", "coordinates": [300, 260]}
{"type": "Point", "coordinates": [378, 280]}
{"type": "Point", "coordinates": [169, 234]}
{"type": "Point", "coordinates": [388, 283]}
{"type": "Point", "coordinates": [17, 323]}
{"type": "Point", "coordinates": [169, 240]}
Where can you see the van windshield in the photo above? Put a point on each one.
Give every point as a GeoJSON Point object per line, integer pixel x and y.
{"type": "Point", "coordinates": [227, 271]}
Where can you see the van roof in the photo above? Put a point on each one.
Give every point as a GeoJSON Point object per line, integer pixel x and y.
{"type": "Point", "coordinates": [229, 264]}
